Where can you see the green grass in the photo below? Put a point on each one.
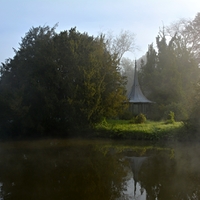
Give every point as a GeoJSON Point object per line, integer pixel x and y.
{"type": "Point", "coordinates": [148, 131]}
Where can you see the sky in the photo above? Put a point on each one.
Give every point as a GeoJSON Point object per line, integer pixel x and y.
{"type": "Point", "coordinates": [141, 17]}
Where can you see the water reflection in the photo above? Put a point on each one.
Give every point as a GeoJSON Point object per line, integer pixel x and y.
{"type": "Point", "coordinates": [161, 176]}
{"type": "Point", "coordinates": [135, 165]}
{"type": "Point", "coordinates": [76, 169]}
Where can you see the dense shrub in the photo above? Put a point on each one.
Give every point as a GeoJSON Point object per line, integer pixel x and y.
{"type": "Point", "coordinates": [141, 118]}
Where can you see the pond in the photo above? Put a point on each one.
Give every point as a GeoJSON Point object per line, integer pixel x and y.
{"type": "Point", "coordinates": [98, 169]}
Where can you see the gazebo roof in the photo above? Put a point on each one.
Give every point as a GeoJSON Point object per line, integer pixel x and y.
{"type": "Point", "coordinates": [136, 95]}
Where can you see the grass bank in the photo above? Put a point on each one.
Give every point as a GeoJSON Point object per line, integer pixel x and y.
{"type": "Point", "coordinates": [123, 129]}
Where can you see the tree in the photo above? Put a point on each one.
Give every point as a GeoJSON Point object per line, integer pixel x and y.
{"type": "Point", "coordinates": [194, 116]}
{"type": "Point", "coordinates": [128, 71]}
{"type": "Point", "coordinates": [96, 86]}
{"type": "Point", "coordinates": [119, 45]}
{"type": "Point", "coordinates": [56, 82]}
{"type": "Point", "coordinates": [188, 32]}
{"type": "Point", "coordinates": [169, 75]}
{"type": "Point", "coordinates": [147, 73]}
{"type": "Point", "coordinates": [30, 78]}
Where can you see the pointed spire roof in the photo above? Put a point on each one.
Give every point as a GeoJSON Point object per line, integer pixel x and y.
{"type": "Point", "coordinates": [136, 95]}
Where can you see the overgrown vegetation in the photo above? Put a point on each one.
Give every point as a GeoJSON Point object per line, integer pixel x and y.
{"type": "Point", "coordinates": [123, 129]}
{"type": "Point", "coordinates": [138, 119]}
{"type": "Point", "coordinates": [171, 70]}
{"type": "Point", "coordinates": [61, 83]}
{"type": "Point", "coordinates": [171, 119]}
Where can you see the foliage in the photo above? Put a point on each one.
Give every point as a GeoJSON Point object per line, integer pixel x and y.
{"type": "Point", "coordinates": [59, 82]}
{"type": "Point", "coordinates": [188, 31]}
{"type": "Point", "coordinates": [138, 119]}
{"type": "Point", "coordinates": [151, 130]}
{"type": "Point", "coordinates": [171, 119]}
{"type": "Point", "coordinates": [119, 45]}
{"type": "Point", "coordinates": [168, 76]}
{"type": "Point", "coordinates": [194, 120]}
{"type": "Point", "coordinates": [141, 118]}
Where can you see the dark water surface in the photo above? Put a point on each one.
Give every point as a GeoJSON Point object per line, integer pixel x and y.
{"type": "Point", "coordinates": [98, 169]}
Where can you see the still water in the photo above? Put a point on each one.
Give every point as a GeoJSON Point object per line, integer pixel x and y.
{"type": "Point", "coordinates": [98, 169]}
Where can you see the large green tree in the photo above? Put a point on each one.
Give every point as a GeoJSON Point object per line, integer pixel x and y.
{"type": "Point", "coordinates": [188, 32]}
{"type": "Point", "coordinates": [169, 75]}
{"type": "Point", "coordinates": [58, 82]}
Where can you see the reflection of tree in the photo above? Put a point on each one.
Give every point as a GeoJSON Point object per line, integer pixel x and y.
{"type": "Point", "coordinates": [154, 176]}
{"type": "Point", "coordinates": [64, 173]}
{"type": "Point", "coordinates": [84, 172]}
{"type": "Point", "coordinates": [165, 178]}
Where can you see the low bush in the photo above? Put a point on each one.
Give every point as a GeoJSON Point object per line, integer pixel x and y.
{"type": "Point", "coordinates": [170, 119]}
{"type": "Point", "coordinates": [140, 119]}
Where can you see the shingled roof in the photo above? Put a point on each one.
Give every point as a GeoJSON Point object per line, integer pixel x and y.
{"type": "Point", "coordinates": [136, 95]}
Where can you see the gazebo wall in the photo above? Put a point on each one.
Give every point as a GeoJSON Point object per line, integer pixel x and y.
{"type": "Point", "coordinates": [137, 108]}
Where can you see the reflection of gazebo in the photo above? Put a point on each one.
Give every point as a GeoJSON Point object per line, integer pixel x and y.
{"type": "Point", "coordinates": [135, 164]}
{"type": "Point", "coordinates": [138, 103]}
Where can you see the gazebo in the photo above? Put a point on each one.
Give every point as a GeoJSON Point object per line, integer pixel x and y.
{"type": "Point", "coordinates": [138, 103]}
